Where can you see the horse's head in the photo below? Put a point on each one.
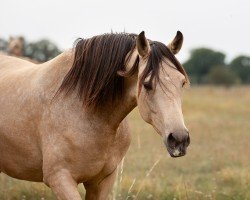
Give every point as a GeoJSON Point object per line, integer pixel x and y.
{"type": "Point", "coordinates": [149, 76]}
{"type": "Point", "coordinates": [160, 84]}
{"type": "Point", "coordinates": [15, 46]}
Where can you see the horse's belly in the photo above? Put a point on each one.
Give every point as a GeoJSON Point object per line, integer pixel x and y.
{"type": "Point", "coordinates": [21, 168]}
{"type": "Point", "coordinates": [24, 173]}
{"type": "Point", "coordinates": [20, 159]}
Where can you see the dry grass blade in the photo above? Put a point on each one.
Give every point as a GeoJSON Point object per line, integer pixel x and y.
{"type": "Point", "coordinates": [130, 188]}
{"type": "Point", "coordinates": [147, 174]}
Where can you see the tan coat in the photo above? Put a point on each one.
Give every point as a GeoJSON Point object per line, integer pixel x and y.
{"type": "Point", "coordinates": [56, 140]}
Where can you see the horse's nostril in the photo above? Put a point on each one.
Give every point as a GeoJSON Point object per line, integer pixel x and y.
{"type": "Point", "coordinates": [171, 137]}
{"type": "Point", "coordinates": [188, 140]}
{"type": "Point", "coordinates": [171, 140]}
{"type": "Point", "coordinates": [176, 139]}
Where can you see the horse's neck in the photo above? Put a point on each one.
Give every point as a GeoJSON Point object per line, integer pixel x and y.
{"type": "Point", "coordinates": [112, 114]}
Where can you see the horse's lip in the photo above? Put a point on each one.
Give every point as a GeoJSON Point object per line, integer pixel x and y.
{"type": "Point", "coordinates": [173, 155]}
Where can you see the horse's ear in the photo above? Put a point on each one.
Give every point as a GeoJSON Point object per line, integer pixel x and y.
{"type": "Point", "coordinates": [142, 44]}
{"type": "Point", "coordinates": [21, 39]}
{"type": "Point", "coordinates": [10, 38]}
{"type": "Point", "coordinates": [176, 44]}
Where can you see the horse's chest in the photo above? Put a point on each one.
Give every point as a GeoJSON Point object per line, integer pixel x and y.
{"type": "Point", "coordinates": [102, 158]}
{"type": "Point", "coordinates": [87, 154]}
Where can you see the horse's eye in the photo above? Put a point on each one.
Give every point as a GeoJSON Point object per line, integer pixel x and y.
{"type": "Point", "coordinates": [147, 86]}
{"type": "Point", "coordinates": [183, 83]}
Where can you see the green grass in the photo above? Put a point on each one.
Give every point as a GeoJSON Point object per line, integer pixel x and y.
{"type": "Point", "coordinates": [217, 165]}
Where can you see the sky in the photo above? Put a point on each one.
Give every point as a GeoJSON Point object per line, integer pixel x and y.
{"type": "Point", "coordinates": [223, 25]}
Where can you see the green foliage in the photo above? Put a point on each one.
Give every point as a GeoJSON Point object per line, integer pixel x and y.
{"type": "Point", "coordinates": [200, 63]}
{"type": "Point", "coordinates": [3, 45]}
{"type": "Point", "coordinates": [42, 50]}
{"type": "Point", "coordinates": [206, 66]}
{"type": "Point", "coordinates": [222, 75]}
{"type": "Point", "coordinates": [241, 67]}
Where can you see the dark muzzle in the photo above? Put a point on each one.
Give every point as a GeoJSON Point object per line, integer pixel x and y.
{"type": "Point", "coordinates": [177, 143]}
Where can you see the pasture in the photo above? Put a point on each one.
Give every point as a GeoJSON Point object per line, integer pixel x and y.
{"type": "Point", "coordinates": [217, 165]}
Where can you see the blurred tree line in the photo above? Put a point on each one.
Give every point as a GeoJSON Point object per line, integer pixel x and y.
{"type": "Point", "coordinates": [41, 51]}
{"type": "Point", "coordinates": [206, 66]}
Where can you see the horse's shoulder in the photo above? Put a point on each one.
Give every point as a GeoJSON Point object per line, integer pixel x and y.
{"type": "Point", "coordinates": [124, 134]}
{"type": "Point", "coordinates": [124, 126]}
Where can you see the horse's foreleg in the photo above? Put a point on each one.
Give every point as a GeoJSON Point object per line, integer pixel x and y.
{"type": "Point", "coordinates": [63, 186]}
{"type": "Point", "coordinates": [100, 191]}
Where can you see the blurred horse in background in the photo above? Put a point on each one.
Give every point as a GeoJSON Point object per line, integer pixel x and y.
{"type": "Point", "coordinates": [16, 48]}
{"type": "Point", "coordinates": [64, 123]}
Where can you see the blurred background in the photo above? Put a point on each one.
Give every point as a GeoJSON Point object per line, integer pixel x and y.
{"type": "Point", "coordinates": [216, 56]}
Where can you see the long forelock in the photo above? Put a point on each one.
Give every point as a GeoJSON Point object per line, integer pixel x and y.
{"type": "Point", "coordinates": [158, 54]}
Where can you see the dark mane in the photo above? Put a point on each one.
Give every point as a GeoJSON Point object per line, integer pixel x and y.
{"type": "Point", "coordinates": [97, 61]}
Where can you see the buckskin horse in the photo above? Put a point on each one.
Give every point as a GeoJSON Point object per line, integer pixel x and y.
{"type": "Point", "coordinates": [64, 122]}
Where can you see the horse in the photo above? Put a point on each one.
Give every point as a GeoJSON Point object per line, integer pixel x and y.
{"type": "Point", "coordinates": [16, 48]}
{"type": "Point", "coordinates": [64, 123]}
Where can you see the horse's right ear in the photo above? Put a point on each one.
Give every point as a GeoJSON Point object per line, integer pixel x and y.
{"type": "Point", "coordinates": [176, 44]}
{"type": "Point", "coordinates": [21, 39]}
{"type": "Point", "coordinates": [10, 38]}
{"type": "Point", "coordinates": [142, 45]}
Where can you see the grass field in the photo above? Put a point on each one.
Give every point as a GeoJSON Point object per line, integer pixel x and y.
{"type": "Point", "coordinates": [217, 165]}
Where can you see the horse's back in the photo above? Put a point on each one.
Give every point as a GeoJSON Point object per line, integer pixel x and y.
{"type": "Point", "coordinates": [11, 63]}
{"type": "Point", "coordinates": [19, 108]}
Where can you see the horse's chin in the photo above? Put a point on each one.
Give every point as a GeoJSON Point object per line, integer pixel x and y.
{"type": "Point", "coordinates": [175, 153]}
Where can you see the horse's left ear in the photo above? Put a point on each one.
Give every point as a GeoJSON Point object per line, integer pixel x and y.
{"type": "Point", "coordinates": [142, 45]}
{"type": "Point", "coordinates": [176, 44]}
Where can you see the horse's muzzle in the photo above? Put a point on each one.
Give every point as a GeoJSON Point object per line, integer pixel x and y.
{"type": "Point", "coordinates": [177, 143]}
